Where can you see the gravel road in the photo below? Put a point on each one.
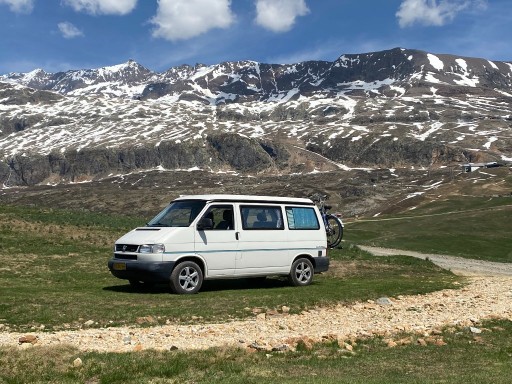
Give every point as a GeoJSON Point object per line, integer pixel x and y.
{"type": "Point", "coordinates": [488, 295]}
{"type": "Point", "coordinates": [458, 265]}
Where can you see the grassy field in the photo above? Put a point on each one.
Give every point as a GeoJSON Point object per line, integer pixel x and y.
{"type": "Point", "coordinates": [465, 358]}
{"type": "Point", "coordinates": [53, 274]}
{"type": "Point", "coordinates": [473, 227]}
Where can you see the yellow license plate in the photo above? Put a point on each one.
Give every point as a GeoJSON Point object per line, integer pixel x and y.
{"type": "Point", "coordinates": [119, 266]}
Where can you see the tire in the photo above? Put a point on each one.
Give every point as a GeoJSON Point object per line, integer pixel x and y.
{"type": "Point", "coordinates": [334, 230]}
{"type": "Point", "coordinates": [186, 278]}
{"type": "Point", "coordinates": [302, 272]}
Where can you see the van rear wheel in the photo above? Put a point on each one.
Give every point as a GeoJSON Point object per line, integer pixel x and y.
{"type": "Point", "coordinates": [301, 273]}
{"type": "Point", "coordinates": [186, 278]}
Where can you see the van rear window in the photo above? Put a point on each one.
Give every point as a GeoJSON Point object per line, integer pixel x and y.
{"type": "Point", "coordinates": [261, 217]}
{"type": "Point", "coordinates": [302, 218]}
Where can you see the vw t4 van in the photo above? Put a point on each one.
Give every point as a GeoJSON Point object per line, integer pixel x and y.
{"type": "Point", "coordinates": [202, 237]}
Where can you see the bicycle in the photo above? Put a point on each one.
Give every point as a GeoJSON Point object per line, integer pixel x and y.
{"type": "Point", "coordinates": [333, 224]}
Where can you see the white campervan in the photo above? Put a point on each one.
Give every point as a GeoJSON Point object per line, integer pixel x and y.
{"type": "Point", "coordinates": [201, 237]}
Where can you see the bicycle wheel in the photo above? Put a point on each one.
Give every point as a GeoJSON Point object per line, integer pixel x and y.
{"type": "Point", "coordinates": [334, 230]}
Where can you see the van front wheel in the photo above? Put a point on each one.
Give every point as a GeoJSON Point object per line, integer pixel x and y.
{"type": "Point", "coordinates": [302, 272]}
{"type": "Point", "coordinates": [186, 277]}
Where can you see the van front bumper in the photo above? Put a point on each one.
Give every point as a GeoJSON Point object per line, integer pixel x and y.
{"type": "Point", "coordinates": [321, 264]}
{"type": "Point", "coordinates": [155, 272]}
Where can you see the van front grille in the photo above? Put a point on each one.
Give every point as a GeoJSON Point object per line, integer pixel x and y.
{"type": "Point", "coordinates": [126, 248]}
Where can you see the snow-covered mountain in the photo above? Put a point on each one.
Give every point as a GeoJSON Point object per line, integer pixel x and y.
{"type": "Point", "coordinates": [392, 108]}
{"type": "Point", "coordinates": [390, 72]}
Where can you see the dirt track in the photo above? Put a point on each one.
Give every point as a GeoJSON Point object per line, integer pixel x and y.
{"type": "Point", "coordinates": [458, 265]}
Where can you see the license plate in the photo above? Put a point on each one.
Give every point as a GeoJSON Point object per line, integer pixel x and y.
{"type": "Point", "coordinates": [119, 266]}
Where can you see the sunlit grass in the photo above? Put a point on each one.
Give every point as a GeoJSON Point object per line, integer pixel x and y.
{"type": "Point", "coordinates": [47, 266]}
{"type": "Point", "coordinates": [470, 227]}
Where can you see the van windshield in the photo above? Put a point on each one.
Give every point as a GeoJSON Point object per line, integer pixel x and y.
{"type": "Point", "coordinates": [178, 214]}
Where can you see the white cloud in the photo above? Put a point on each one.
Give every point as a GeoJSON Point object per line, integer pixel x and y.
{"type": "Point", "coordinates": [19, 6]}
{"type": "Point", "coordinates": [433, 12]}
{"type": "Point", "coordinates": [328, 52]}
{"type": "Point", "coordinates": [102, 7]}
{"type": "Point", "coordinates": [184, 19]}
{"type": "Point", "coordinates": [279, 15]}
{"type": "Point", "coordinates": [69, 31]}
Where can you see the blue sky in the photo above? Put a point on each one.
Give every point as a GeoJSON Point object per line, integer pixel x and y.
{"type": "Point", "coordinates": [58, 35]}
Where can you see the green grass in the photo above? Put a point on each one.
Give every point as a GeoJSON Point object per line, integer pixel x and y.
{"type": "Point", "coordinates": [71, 218]}
{"type": "Point", "coordinates": [469, 227]}
{"type": "Point", "coordinates": [55, 274]}
{"type": "Point", "coordinates": [486, 358]}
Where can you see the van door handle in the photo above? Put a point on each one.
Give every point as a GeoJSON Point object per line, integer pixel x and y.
{"type": "Point", "coordinates": [237, 235]}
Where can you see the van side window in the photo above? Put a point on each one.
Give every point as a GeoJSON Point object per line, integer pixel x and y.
{"type": "Point", "coordinates": [222, 217]}
{"type": "Point", "coordinates": [301, 218]}
{"type": "Point", "coordinates": [261, 217]}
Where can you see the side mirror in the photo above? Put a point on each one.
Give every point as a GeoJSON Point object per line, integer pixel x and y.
{"type": "Point", "coordinates": [205, 223]}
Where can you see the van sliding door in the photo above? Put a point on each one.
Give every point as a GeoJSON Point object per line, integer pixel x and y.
{"type": "Point", "coordinates": [262, 242]}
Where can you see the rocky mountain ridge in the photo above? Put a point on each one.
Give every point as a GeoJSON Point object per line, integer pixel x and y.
{"type": "Point", "coordinates": [243, 81]}
{"type": "Point", "coordinates": [395, 108]}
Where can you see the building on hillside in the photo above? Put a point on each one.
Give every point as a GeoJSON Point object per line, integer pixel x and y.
{"type": "Point", "coordinates": [470, 167]}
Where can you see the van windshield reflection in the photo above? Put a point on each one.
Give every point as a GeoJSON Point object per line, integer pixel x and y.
{"type": "Point", "coordinates": [178, 214]}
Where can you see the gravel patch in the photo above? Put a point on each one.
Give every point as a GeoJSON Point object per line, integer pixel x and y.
{"type": "Point", "coordinates": [483, 298]}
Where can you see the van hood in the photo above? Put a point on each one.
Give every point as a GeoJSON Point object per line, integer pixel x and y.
{"type": "Point", "coordinates": [151, 235]}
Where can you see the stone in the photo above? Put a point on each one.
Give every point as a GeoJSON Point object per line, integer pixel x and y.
{"type": "Point", "coordinates": [405, 341]}
{"type": "Point", "coordinates": [475, 330]}
{"type": "Point", "coordinates": [77, 362]}
{"type": "Point", "coordinates": [305, 343]}
{"type": "Point", "coordinates": [258, 347]}
{"type": "Point", "coordinates": [89, 323]}
{"type": "Point", "coordinates": [146, 319]}
{"type": "Point", "coordinates": [261, 316]}
{"type": "Point", "coordinates": [384, 301]}
{"type": "Point", "coordinates": [422, 342]}
{"type": "Point", "coordinates": [285, 309]}
{"type": "Point", "coordinates": [281, 348]}
{"type": "Point", "coordinates": [28, 339]}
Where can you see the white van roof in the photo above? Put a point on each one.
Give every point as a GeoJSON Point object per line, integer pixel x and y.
{"type": "Point", "coordinates": [248, 198]}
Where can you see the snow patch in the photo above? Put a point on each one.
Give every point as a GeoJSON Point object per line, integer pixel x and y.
{"type": "Point", "coordinates": [493, 65]}
{"type": "Point", "coordinates": [491, 140]}
{"type": "Point", "coordinates": [435, 61]}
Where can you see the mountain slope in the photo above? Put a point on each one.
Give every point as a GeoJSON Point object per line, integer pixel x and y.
{"type": "Point", "coordinates": [395, 108]}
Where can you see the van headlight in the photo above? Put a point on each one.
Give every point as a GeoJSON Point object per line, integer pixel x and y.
{"type": "Point", "coordinates": [152, 248]}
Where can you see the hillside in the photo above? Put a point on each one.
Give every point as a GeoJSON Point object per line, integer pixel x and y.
{"type": "Point", "coordinates": [396, 109]}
